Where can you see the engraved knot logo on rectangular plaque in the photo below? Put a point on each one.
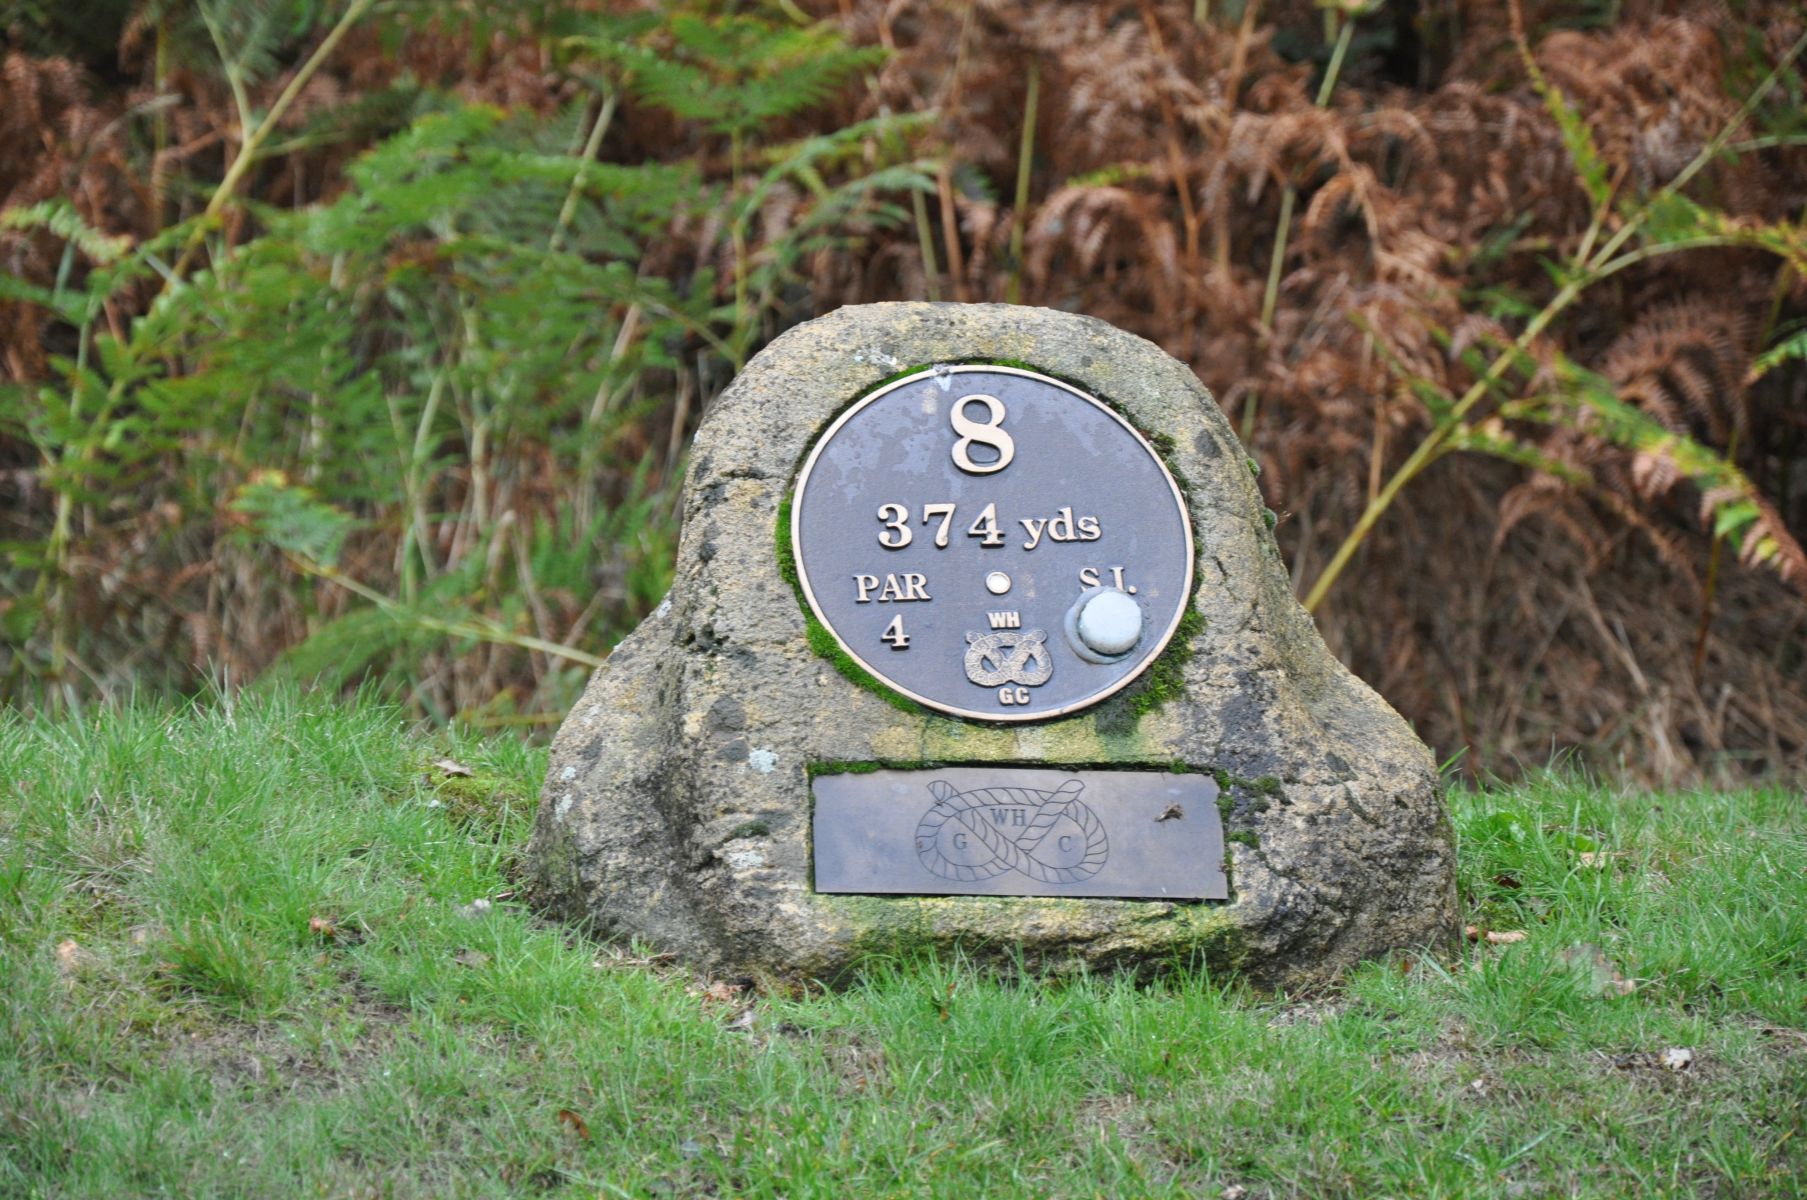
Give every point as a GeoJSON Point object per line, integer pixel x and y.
{"type": "Point", "coordinates": [1019, 831]}
{"type": "Point", "coordinates": [1050, 837]}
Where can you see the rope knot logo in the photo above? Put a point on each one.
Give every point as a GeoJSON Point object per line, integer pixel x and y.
{"type": "Point", "coordinates": [1048, 836]}
{"type": "Point", "coordinates": [993, 659]}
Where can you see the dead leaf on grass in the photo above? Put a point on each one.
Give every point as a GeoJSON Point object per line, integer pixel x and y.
{"type": "Point", "coordinates": [142, 935]}
{"type": "Point", "coordinates": [1678, 1058]}
{"type": "Point", "coordinates": [71, 959]}
{"type": "Point", "coordinates": [471, 958]}
{"type": "Point", "coordinates": [716, 992]}
{"type": "Point", "coordinates": [451, 767]}
{"type": "Point", "coordinates": [322, 927]}
{"type": "Point", "coordinates": [1602, 974]}
{"type": "Point", "coordinates": [1495, 937]}
{"type": "Point", "coordinates": [615, 956]}
{"type": "Point", "coordinates": [574, 1123]}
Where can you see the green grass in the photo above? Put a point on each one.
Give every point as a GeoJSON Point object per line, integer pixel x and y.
{"type": "Point", "coordinates": [172, 1023]}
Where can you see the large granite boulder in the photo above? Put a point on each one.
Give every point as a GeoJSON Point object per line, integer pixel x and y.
{"type": "Point", "coordinates": [677, 807]}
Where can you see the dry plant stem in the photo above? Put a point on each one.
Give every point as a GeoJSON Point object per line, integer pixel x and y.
{"type": "Point", "coordinates": [160, 127]}
{"type": "Point", "coordinates": [235, 78]}
{"type": "Point", "coordinates": [1606, 261]}
{"type": "Point", "coordinates": [1337, 55]}
{"type": "Point", "coordinates": [57, 574]}
{"type": "Point", "coordinates": [950, 231]}
{"type": "Point", "coordinates": [1270, 298]}
{"type": "Point", "coordinates": [536, 603]}
{"type": "Point", "coordinates": [674, 445]}
{"type": "Point", "coordinates": [1710, 589]}
{"type": "Point", "coordinates": [590, 457]}
{"type": "Point", "coordinates": [417, 461]}
{"type": "Point", "coordinates": [482, 631]}
{"type": "Point", "coordinates": [1291, 196]}
{"type": "Point", "coordinates": [1239, 57]}
{"type": "Point", "coordinates": [950, 221]}
{"type": "Point", "coordinates": [1289, 199]}
{"type": "Point", "coordinates": [739, 234]}
{"type": "Point", "coordinates": [1176, 157]}
{"type": "Point", "coordinates": [925, 241]}
{"type": "Point", "coordinates": [598, 131]}
{"type": "Point", "coordinates": [413, 489]}
{"type": "Point", "coordinates": [254, 139]}
{"type": "Point", "coordinates": [478, 425]}
{"type": "Point", "coordinates": [1377, 451]}
{"type": "Point", "coordinates": [1024, 156]}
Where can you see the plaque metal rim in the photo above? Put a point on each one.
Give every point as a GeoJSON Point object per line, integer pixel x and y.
{"type": "Point", "coordinates": [933, 372]}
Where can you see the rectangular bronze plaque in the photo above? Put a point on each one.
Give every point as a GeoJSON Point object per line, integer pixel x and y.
{"type": "Point", "coordinates": [1019, 831]}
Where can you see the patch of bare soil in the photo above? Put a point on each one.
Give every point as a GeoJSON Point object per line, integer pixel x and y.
{"type": "Point", "coordinates": [276, 1056]}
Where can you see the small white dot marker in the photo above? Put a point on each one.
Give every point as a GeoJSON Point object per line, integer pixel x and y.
{"type": "Point", "coordinates": [997, 583]}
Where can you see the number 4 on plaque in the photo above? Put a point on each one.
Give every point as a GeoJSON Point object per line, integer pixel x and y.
{"type": "Point", "coordinates": [894, 633]}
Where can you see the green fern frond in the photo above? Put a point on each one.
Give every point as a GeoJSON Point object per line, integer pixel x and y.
{"type": "Point", "coordinates": [1730, 502]}
{"type": "Point", "coordinates": [1577, 137]}
{"type": "Point", "coordinates": [59, 217]}
{"type": "Point", "coordinates": [1790, 349]}
{"type": "Point", "coordinates": [740, 71]}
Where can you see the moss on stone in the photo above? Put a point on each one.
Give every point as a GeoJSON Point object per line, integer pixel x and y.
{"type": "Point", "coordinates": [989, 929]}
{"type": "Point", "coordinates": [1257, 795]}
{"type": "Point", "coordinates": [1165, 678]}
{"type": "Point", "coordinates": [1267, 785]}
{"type": "Point", "coordinates": [820, 639]}
{"type": "Point", "coordinates": [787, 555]}
{"type": "Point", "coordinates": [751, 829]}
{"type": "Point", "coordinates": [1243, 837]}
{"type": "Point", "coordinates": [825, 646]}
{"type": "Point", "coordinates": [857, 768]}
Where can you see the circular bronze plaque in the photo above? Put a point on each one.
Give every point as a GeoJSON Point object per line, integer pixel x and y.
{"type": "Point", "coordinates": [992, 543]}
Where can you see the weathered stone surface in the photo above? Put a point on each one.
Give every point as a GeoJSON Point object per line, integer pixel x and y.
{"type": "Point", "coordinates": [676, 807]}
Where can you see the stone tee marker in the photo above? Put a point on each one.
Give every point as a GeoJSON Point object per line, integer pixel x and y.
{"type": "Point", "coordinates": [979, 637]}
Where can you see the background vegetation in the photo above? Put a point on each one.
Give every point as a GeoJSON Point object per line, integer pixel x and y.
{"type": "Point", "coordinates": [364, 339]}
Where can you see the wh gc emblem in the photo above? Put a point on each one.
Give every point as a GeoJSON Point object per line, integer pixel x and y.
{"type": "Point", "coordinates": [1000, 660]}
